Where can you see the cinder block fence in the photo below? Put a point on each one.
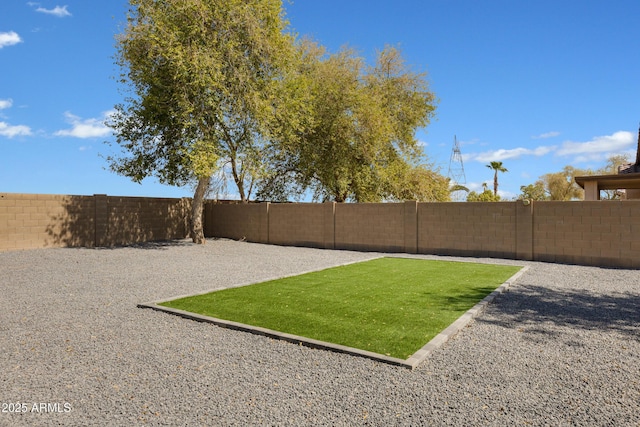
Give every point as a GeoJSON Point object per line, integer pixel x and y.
{"type": "Point", "coordinates": [29, 221]}
{"type": "Point", "coordinates": [600, 233]}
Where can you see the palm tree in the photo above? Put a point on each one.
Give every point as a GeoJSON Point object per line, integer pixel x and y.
{"type": "Point", "coordinates": [497, 167]}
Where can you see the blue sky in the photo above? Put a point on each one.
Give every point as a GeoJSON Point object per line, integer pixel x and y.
{"type": "Point", "coordinates": [537, 84]}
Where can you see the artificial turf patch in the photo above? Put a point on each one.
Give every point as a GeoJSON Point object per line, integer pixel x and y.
{"type": "Point", "coordinates": [390, 306]}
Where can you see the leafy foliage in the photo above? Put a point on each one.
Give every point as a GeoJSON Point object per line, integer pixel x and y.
{"type": "Point", "coordinates": [421, 183]}
{"type": "Point", "coordinates": [353, 138]}
{"type": "Point", "coordinates": [217, 85]}
{"type": "Point", "coordinates": [203, 75]}
{"type": "Point", "coordinates": [613, 165]}
{"type": "Point", "coordinates": [562, 185]}
{"type": "Point", "coordinates": [556, 186]}
{"type": "Point", "coordinates": [535, 191]}
{"type": "Point", "coordinates": [486, 196]}
{"type": "Point", "coordinates": [497, 167]}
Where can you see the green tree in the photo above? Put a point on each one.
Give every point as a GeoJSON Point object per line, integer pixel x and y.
{"type": "Point", "coordinates": [203, 76]}
{"type": "Point", "coordinates": [613, 165]}
{"type": "Point", "coordinates": [534, 191]}
{"type": "Point", "coordinates": [562, 185]}
{"type": "Point", "coordinates": [421, 183]}
{"type": "Point", "coordinates": [497, 167]}
{"type": "Point", "coordinates": [356, 139]}
{"type": "Point", "coordinates": [486, 195]}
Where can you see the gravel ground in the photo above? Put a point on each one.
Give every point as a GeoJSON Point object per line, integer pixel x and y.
{"type": "Point", "coordinates": [562, 347]}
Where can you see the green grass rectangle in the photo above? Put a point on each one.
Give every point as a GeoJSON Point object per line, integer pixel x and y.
{"type": "Point", "coordinates": [390, 306]}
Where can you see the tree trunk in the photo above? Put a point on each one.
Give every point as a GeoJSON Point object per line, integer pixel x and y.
{"type": "Point", "coordinates": [238, 179]}
{"type": "Point", "coordinates": [495, 183]}
{"type": "Point", "coordinates": [197, 229]}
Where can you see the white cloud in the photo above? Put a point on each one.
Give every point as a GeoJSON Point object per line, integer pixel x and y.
{"type": "Point", "coordinates": [552, 134]}
{"type": "Point", "coordinates": [8, 39]}
{"type": "Point", "coordinates": [597, 150]}
{"type": "Point", "coordinates": [6, 103]}
{"type": "Point", "coordinates": [502, 154]}
{"type": "Point", "coordinates": [599, 146]}
{"type": "Point", "coordinates": [86, 128]}
{"type": "Point", "coordinates": [59, 11]}
{"type": "Point", "coordinates": [10, 131]}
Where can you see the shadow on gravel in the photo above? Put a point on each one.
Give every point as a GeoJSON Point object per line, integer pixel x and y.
{"type": "Point", "coordinates": [162, 244]}
{"type": "Point", "coordinates": [147, 246]}
{"type": "Point", "coordinates": [159, 245]}
{"type": "Point", "coordinates": [530, 305]}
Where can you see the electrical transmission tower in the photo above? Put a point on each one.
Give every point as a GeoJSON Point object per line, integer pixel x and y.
{"type": "Point", "coordinates": [456, 173]}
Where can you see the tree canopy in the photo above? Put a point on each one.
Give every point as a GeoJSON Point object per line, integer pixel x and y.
{"type": "Point", "coordinates": [562, 185]}
{"type": "Point", "coordinates": [486, 195]}
{"type": "Point", "coordinates": [202, 76]}
{"type": "Point", "coordinates": [356, 136]}
{"type": "Point", "coordinates": [535, 191]}
{"type": "Point", "coordinates": [555, 186]}
{"type": "Point", "coordinates": [219, 86]}
{"type": "Point", "coordinates": [496, 167]}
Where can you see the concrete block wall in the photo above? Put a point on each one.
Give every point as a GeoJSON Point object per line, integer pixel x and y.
{"type": "Point", "coordinates": [370, 227]}
{"type": "Point", "coordinates": [591, 233]}
{"type": "Point", "coordinates": [302, 224]}
{"type": "Point", "coordinates": [467, 229]}
{"type": "Point", "coordinates": [601, 233]}
{"type": "Point", "coordinates": [524, 230]}
{"type": "Point", "coordinates": [140, 219]}
{"type": "Point", "coordinates": [31, 221]}
{"type": "Point", "coordinates": [388, 227]}
{"type": "Point", "coordinates": [237, 221]}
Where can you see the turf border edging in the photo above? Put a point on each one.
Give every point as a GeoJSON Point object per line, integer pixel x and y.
{"type": "Point", "coordinates": [462, 321]}
{"type": "Point", "coordinates": [412, 362]}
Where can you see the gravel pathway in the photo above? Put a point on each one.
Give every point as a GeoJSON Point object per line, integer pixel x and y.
{"type": "Point", "coordinates": [562, 347]}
